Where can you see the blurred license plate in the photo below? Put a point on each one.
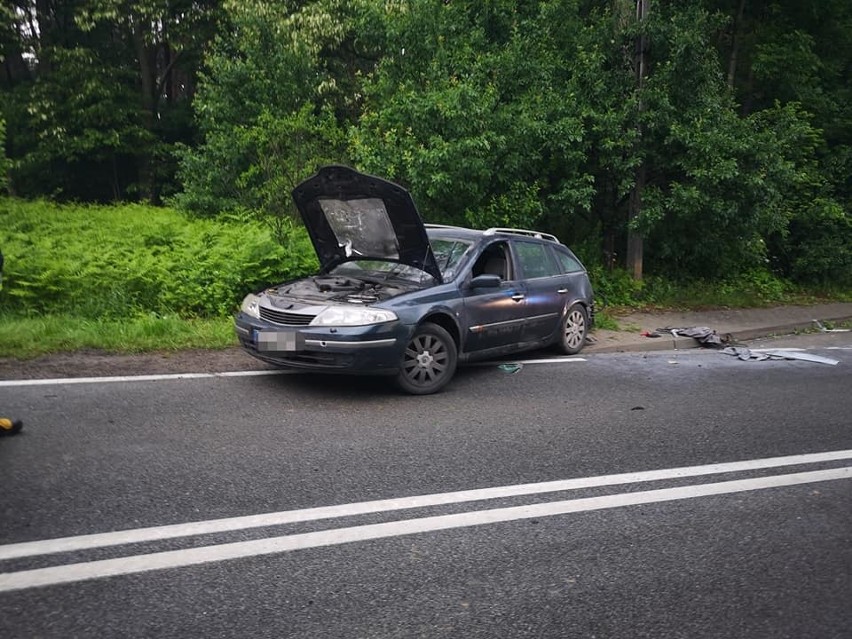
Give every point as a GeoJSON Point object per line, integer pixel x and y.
{"type": "Point", "coordinates": [275, 340]}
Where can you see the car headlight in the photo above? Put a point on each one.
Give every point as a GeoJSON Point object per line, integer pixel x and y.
{"type": "Point", "coordinates": [251, 306]}
{"type": "Point", "coordinates": [352, 316]}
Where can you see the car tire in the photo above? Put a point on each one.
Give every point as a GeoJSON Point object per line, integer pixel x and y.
{"type": "Point", "coordinates": [429, 361]}
{"type": "Point", "coordinates": [573, 330]}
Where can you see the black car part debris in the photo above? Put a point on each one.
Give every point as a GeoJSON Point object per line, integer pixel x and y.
{"type": "Point", "coordinates": [705, 336]}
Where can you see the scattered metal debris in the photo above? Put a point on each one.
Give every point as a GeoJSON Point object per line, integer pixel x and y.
{"type": "Point", "coordinates": [823, 329]}
{"type": "Point", "coordinates": [746, 354]}
{"type": "Point", "coordinates": [807, 357]}
{"type": "Point", "coordinates": [510, 369]}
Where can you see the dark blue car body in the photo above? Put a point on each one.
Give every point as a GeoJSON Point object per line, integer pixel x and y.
{"type": "Point", "coordinates": [442, 295]}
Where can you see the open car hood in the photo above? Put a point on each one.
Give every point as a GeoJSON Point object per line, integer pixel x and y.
{"type": "Point", "coordinates": [351, 215]}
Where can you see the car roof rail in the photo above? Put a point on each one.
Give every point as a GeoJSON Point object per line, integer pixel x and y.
{"type": "Point", "coordinates": [536, 234]}
{"type": "Point", "coordinates": [442, 226]}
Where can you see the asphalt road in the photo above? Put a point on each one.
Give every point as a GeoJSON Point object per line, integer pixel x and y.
{"type": "Point", "coordinates": [595, 498]}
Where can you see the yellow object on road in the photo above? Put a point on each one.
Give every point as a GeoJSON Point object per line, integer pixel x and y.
{"type": "Point", "coordinates": [9, 427]}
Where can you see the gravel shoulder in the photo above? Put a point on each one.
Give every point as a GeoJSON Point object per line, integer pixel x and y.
{"type": "Point", "coordinates": [92, 363]}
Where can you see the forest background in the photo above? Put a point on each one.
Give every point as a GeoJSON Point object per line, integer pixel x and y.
{"type": "Point", "coordinates": [150, 146]}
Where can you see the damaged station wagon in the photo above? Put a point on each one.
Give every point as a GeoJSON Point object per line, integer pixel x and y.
{"type": "Point", "coordinates": [398, 297]}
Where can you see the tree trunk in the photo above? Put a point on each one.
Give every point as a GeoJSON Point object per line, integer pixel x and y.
{"type": "Point", "coordinates": [735, 46]}
{"type": "Point", "coordinates": [149, 105]}
{"type": "Point", "coordinates": [635, 245]}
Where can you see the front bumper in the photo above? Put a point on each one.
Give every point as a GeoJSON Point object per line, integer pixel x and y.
{"type": "Point", "coordinates": [357, 349]}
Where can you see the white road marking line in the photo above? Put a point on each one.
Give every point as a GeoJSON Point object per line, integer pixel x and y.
{"type": "Point", "coordinates": [133, 378]}
{"type": "Point", "coordinates": [174, 376]}
{"type": "Point", "coordinates": [223, 552]}
{"type": "Point", "coordinates": [552, 360]}
{"type": "Point", "coordinates": [172, 531]}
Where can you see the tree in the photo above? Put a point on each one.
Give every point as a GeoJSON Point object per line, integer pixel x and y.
{"type": "Point", "coordinates": [718, 185]}
{"type": "Point", "coordinates": [72, 130]}
{"type": "Point", "coordinates": [99, 92]}
{"type": "Point", "coordinates": [270, 107]}
{"type": "Point", "coordinates": [520, 114]}
{"type": "Point", "coordinates": [468, 108]}
{"type": "Point", "coordinates": [167, 39]}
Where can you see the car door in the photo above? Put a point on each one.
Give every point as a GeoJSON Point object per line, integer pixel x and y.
{"type": "Point", "coordinates": [494, 317]}
{"type": "Point", "coordinates": [545, 287]}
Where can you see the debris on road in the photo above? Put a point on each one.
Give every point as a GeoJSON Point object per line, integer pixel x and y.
{"type": "Point", "coordinates": [823, 329]}
{"type": "Point", "coordinates": [10, 427]}
{"type": "Point", "coordinates": [510, 368]}
{"type": "Point", "coordinates": [807, 357]}
{"type": "Point", "coordinates": [746, 354]}
{"type": "Point", "coordinates": [704, 335]}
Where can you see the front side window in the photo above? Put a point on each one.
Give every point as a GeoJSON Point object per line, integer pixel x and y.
{"type": "Point", "coordinates": [449, 253]}
{"type": "Point", "coordinates": [535, 260]}
{"type": "Point", "coordinates": [495, 260]}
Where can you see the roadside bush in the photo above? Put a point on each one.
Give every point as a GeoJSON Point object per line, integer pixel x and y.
{"type": "Point", "coordinates": [755, 288]}
{"type": "Point", "coordinates": [820, 245]}
{"type": "Point", "coordinates": [130, 260]}
{"type": "Point", "coordinates": [614, 287]}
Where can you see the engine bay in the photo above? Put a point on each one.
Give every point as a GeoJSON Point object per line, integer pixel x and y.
{"type": "Point", "coordinates": [322, 289]}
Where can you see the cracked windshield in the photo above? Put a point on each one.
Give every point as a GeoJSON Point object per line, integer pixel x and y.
{"type": "Point", "coordinates": [448, 253]}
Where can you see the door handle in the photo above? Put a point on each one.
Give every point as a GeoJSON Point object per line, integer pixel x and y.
{"type": "Point", "coordinates": [562, 291]}
{"type": "Point", "coordinates": [518, 297]}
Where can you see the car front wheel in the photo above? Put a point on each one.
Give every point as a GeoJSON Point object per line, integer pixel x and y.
{"type": "Point", "coordinates": [573, 330]}
{"type": "Point", "coordinates": [429, 361]}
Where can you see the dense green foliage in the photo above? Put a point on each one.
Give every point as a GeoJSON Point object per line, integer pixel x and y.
{"type": "Point", "coordinates": [266, 110]}
{"type": "Point", "coordinates": [730, 153]}
{"type": "Point", "coordinates": [119, 262]}
{"type": "Point", "coordinates": [96, 93]}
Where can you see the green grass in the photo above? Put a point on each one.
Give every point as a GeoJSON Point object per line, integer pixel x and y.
{"type": "Point", "coordinates": [25, 338]}
{"type": "Point", "coordinates": [131, 278]}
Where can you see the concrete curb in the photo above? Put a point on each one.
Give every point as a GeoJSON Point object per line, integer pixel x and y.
{"type": "Point", "coordinates": [787, 329]}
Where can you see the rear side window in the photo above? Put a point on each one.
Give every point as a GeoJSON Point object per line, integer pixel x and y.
{"type": "Point", "coordinates": [568, 262]}
{"type": "Point", "coordinates": [535, 260]}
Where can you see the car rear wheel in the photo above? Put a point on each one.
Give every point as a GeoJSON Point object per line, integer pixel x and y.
{"type": "Point", "coordinates": [429, 361]}
{"type": "Point", "coordinates": [573, 330]}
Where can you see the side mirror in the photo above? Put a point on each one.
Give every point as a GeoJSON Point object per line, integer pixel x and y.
{"type": "Point", "coordinates": [486, 281]}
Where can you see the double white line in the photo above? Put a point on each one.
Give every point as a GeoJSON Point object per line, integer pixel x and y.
{"type": "Point", "coordinates": [221, 552]}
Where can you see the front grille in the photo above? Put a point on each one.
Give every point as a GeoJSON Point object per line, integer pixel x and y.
{"type": "Point", "coordinates": [287, 319]}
